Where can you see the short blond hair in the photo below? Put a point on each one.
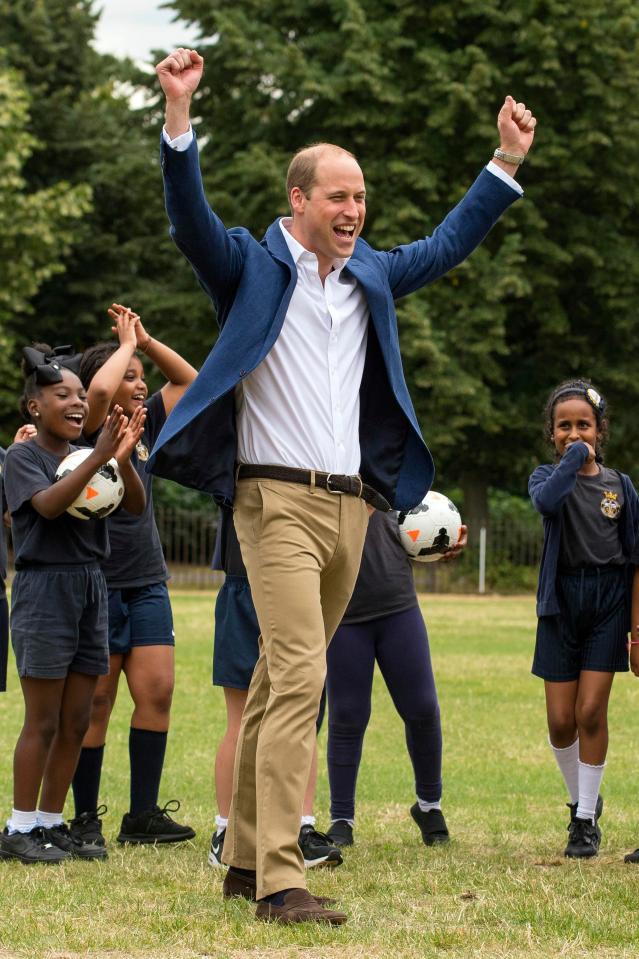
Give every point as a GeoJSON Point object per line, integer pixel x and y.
{"type": "Point", "coordinates": [302, 170]}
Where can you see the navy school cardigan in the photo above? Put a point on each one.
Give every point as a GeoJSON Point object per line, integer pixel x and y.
{"type": "Point", "coordinates": [251, 284]}
{"type": "Point", "coordinates": [549, 486]}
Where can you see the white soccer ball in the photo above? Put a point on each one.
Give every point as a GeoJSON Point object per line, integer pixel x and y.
{"type": "Point", "coordinates": [102, 494]}
{"type": "Point", "coordinates": [430, 529]}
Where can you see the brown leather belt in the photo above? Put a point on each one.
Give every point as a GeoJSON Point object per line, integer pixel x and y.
{"type": "Point", "coordinates": [333, 482]}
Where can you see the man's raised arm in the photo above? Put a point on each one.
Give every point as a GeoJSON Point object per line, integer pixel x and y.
{"type": "Point", "coordinates": [179, 75]}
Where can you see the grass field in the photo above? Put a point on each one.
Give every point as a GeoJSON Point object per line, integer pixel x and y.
{"type": "Point", "coordinates": [501, 888]}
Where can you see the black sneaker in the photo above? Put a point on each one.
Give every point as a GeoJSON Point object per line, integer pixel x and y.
{"type": "Point", "coordinates": [30, 847]}
{"type": "Point", "coordinates": [584, 838]}
{"type": "Point", "coordinates": [215, 852]}
{"type": "Point", "coordinates": [87, 827]}
{"type": "Point", "coordinates": [317, 849]}
{"type": "Point", "coordinates": [61, 837]}
{"type": "Point", "coordinates": [340, 833]}
{"type": "Point", "coordinates": [632, 856]}
{"type": "Point", "coordinates": [432, 825]}
{"type": "Point", "coordinates": [154, 825]}
{"type": "Point", "coordinates": [572, 806]}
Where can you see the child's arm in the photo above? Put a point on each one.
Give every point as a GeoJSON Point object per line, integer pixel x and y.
{"type": "Point", "coordinates": [549, 487]}
{"type": "Point", "coordinates": [177, 371]}
{"type": "Point", "coordinates": [134, 499]}
{"type": "Point", "coordinates": [53, 501]}
{"type": "Point", "coordinates": [634, 629]}
{"type": "Point", "coordinates": [102, 387]}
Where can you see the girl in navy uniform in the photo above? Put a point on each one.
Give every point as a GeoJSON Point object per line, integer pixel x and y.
{"type": "Point", "coordinates": [58, 602]}
{"type": "Point", "coordinates": [590, 514]}
{"type": "Point", "coordinates": [383, 624]}
{"type": "Point", "coordinates": [141, 639]}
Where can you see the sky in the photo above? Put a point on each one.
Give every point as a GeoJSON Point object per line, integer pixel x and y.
{"type": "Point", "coordinates": [135, 27]}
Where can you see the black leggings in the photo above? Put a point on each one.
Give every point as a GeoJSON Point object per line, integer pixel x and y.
{"type": "Point", "coordinates": [399, 643]}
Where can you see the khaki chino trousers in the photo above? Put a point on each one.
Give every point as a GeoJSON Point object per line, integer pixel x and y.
{"type": "Point", "coordinates": [302, 548]}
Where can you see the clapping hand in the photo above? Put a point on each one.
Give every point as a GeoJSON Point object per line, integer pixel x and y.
{"type": "Point", "coordinates": [132, 433]}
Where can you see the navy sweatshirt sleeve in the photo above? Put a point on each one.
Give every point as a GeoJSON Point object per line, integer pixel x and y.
{"type": "Point", "coordinates": [549, 486]}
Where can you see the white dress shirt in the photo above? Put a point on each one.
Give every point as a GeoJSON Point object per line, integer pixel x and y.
{"type": "Point", "coordinates": [300, 406]}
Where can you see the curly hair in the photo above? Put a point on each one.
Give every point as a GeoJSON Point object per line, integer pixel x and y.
{"type": "Point", "coordinates": [578, 388]}
{"type": "Point", "coordinates": [94, 358]}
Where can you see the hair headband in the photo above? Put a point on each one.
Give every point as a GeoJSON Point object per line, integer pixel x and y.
{"type": "Point", "coordinates": [591, 395]}
{"type": "Point", "coordinates": [47, 367]}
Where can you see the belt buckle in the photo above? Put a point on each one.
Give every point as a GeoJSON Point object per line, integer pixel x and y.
{"type": "Point", "coordinates": [335, 492]}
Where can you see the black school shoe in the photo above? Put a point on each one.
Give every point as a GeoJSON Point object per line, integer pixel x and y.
{"type": "Point", "coordinates": [61, 837]}
{"type": "Point", "coordinates": [30, 847]}
{"type": "Point", "coordinates": [317, 849]}
{"type": "Point", "coordinates": [87, 827]}
{"type": "Point", "coordinates": [432, 825]}
{"type": "Point", "coordinates": [341, 833]}
{"type": "Point", "coordinates": [154, 825]}
{"type": "Point", "coordinates": [632, 856]}
{"type": "Point", "coordinates": [584, 838]}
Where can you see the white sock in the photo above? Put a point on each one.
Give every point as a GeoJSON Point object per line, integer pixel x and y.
{"type": "Point", "coordinates": [221, 823]}
{"type": "Point", "coordinates": [568, 762]}
{"type": "Point", "coordinates": [48, 819]}
{"type": "Point", "coordinates": [589, 782]}
{"type": "Point", "coordinates": [22, 821]}
{"type": "Point", "coordinates": [308, 820]}
{"type": "Point", "coordinates": [427, 806]}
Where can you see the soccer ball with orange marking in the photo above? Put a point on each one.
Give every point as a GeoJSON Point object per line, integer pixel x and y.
{"type": "Point", "coordinates": [430, 529]}
{"type": "Point", "coordinates": [102, 494]}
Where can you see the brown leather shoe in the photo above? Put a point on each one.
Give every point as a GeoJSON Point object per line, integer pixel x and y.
{"type": "Point", "coordinates": [235, 884]}
{"type": "Point", "coordinates": [298, 906]}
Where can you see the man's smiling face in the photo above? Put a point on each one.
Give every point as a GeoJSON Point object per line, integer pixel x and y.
{"type": "Point", "coordinates": [329, 219]}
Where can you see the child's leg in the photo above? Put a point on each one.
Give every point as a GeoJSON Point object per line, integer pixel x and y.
{"type": "Point", "coordinates": [150, 674]}
{"type": "Point", "coordinates": [561, 699]}
{"type": "Point", "coordinates": [86, 781]}
{"type": "Point", "coordinates": [75, 712]}
{"type": "Point", "coordinates": [404, 659]}
{"type": "Point", "coordinates": [42, 701]}
{"type": "Point", "coordinates": [235, 700]}
{"type": "Point", "coordinates": [592, 721]}
{"type": "Point", "coordinates": [349, 681]}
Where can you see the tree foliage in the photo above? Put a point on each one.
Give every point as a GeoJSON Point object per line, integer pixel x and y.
{"type": "Point", "coordinates": [36, 230]}
{"type": "Point", "coordinates": [413, 89]}
{"type": "Point", "coordinates": [86, 131]}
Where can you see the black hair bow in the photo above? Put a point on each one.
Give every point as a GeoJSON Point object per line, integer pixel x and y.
{"type": "Point", "coordinates": [48, 367]}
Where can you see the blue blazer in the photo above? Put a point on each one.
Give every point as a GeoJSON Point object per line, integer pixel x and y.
{"type": "Point", "coordinates": [251, 284]}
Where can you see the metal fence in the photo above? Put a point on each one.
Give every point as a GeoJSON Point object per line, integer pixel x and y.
{"type": "Point", "coordinates": [509, 559]}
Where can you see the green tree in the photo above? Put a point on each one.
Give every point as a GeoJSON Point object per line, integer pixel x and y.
{"type": "Point", "coordinates": [413, 89]}
{"type": "Point", "coordinates": [89, 133]}
{"type": "Point", "coordinates": [36, 230]}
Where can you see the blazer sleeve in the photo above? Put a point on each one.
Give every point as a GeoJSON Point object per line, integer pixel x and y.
{"type": "Point", "coordinates": [212, 251]}
{"type": "Point", "coordinates": [550, 486]}
{"type": "Point", "coordinates": [413, 265]}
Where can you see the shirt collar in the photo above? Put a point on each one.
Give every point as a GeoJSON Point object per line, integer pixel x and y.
{"type": "Point", "coordinates": [299, 252]}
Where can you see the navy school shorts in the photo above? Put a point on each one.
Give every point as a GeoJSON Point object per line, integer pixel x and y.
{"type": "Point", "coordinates": [592, 629]}
{"type": "Point", "coordinates": [236, 648]}
{"type": "Point", "coordinates": [140, 616]}
{"type": "Point", "coordinates": [59, 621]}
{"type": "Point", "coordinates": [236, 645]}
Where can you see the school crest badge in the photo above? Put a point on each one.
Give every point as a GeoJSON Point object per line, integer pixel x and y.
{"type": "Point", "coordinates": [143, 452]}
{"type": "Point", "coordinates": [610, 505]}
